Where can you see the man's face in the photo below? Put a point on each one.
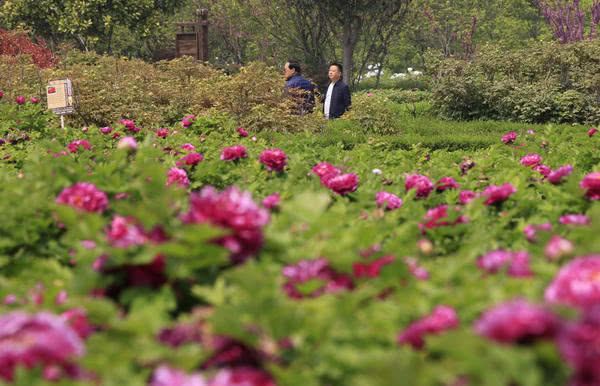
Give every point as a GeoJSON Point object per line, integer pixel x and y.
{"type": "Point", "coordinates": [334, 73]}
{"type": "Point", "coordinates": [287, 71]}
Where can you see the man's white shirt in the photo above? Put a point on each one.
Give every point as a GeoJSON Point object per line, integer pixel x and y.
{"type": "Point", "coordinates": [328, 99]}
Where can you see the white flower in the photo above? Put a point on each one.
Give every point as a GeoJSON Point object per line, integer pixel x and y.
{"type": "Point", "coordinates": [377, 171]}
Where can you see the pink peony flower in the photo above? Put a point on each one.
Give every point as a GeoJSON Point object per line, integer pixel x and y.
{"type": "Point", "coordinates": [592, 131]}
{"type": "Point", "coordinates": [188, 120]}
{"type": "Point", "coordinates": [242, 132]}
{"type": "Point", "coordinates": [20, 100]}
{"type": "Point", "coordinates": [34, 100]}
{"type": "Point", "coordinates": [577, 283]}
{"type": "Point", "coordinates": [420, 183]}
{"type": "Point", "coordinates": [125, 232]}
{"type": "Point", "coordinates": [556, 176]}
{"type": "Point", "coordinates": [163, 132]}
{"type": "Point", "coordinates": [106, 130]}
{"type": "Point", "coordinates": [129, 125]}
{"type": "Point", "coordinates": [242, 376]}
{"type": "Point", "coordinates": [188, 147]}
{"type": "Point", "coordinates": [233, 153]}
{"type": "Point", "coordinates": [388, 200]}
{"type": "Point", "coordinates": [178, 176]}
{"type": "Point", "coordinates": [543, 170]}
{"type": "Point", "coordinates": [438, 216]}
{"type": "Point", "coordinates": [366, 270]}
{"type": "Point", "coordinates": [509, 137]}
{"type": "Point", "coordinates": [591, 185]}
{"type": "Point", "coordinates": [10, 299]}
{"type": "Point", "coordinates": [441, 319]}
{"type": "Point", "coordinates": [42, 339]}
{"type": "Point", "coordinates": [84, 196]}
{"type": "Point", "coordinates": [167, 376]}
{"type": "Point", "coordinates": [516, 262]}
{"type": "Point", "coordinates": [496, 194]}
{"type": "Point", "coordinates": [272, 201]}
{"type": "Point", "coordinates": [314, 271]}
{"type": "Point", "coordinates": [531, 160]}
{"type": "Point", "coordinates": [446, 183]}
{"type": "Point", "coordinates": [415, 269]}
{"type": "Point", "coordinates": [558, 247]}
{"type": "Point", "coordinates": [325, 171]}
{"type": "Point", "coordinates": [574, 219]}
{"type": "Point", "coordinates": [80, 144]}
{"type": "Point", "coordinates": [517, 321]}
{"type": "Point", "coordinates": [466, 196]}
{"type": "Point", "coordinates": [61, 298]}
{"type": "Point", "coordinates": [273, 159]}
{"type": "Point", "coordinates": [234, 211]}
{"type": "Point", "coordinates": [79, 322]}
{"type": "Point", "coordinates": [343, 184]}
{"type": "Point", "coordinates": [180, 334]}
{"type": "Point", "coordinates": [190, 159]}
{"type": "Point", "coordinates": [531, 230]}
{"type": "Point", "coordinates": [1, 94]}
{"type": "Point", "coordinates": [127, 143]}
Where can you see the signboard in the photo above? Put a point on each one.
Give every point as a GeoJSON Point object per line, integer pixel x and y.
{"type": "Point", "coordinates": [60, 96]}
{"type": "Point", "coordinates": [192, 37]}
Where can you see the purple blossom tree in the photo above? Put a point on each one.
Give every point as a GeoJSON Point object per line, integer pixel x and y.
{"type": "Point", "coordinates": [567, 20]}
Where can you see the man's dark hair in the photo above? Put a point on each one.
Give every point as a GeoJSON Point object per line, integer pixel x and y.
{"type": "Point", "coordinates": [339, 66]}
{"type": "Point", "coordinates": [294, 65]}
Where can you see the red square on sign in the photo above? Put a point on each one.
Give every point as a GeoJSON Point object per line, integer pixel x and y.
{"type": "Point", "coordinates": [51, 90]}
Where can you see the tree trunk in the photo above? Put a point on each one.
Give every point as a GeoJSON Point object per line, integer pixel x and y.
{"type": "Point", "coordinates": [349, 39]}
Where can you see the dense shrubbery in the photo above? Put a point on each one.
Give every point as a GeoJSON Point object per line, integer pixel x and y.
{"type": "Point", "coordinates": [546, 82]}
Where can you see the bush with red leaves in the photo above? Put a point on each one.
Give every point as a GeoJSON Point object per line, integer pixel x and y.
{"type": "Point", "coordinates": [13, 43]}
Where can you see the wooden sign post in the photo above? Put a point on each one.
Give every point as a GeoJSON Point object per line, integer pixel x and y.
{"type": "Point", "coordinates": [60, 98]}
{"type": "Point", "coordinates": [192, 37]}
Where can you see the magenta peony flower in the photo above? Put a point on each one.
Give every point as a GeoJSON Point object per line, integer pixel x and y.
{"type": "Point", "coordinates": [591, 185]}
{"type": "Point", "coordinates": [167, 376]}
{"type": "Point", "coordinates": [531, 230]}
{"type": "Point", "coordinates": [314, 271]}
{"type": "Point", "coordinates": [84, 196]}
{"type": "Point", "coordinates": [242, 132]}
{"type": "Point", "coordinates": [558, 247]}
{"type": "Point", "coordinates": [125, 232]}
{"type": "Point", "coordinates": [592, 131]}
{"type": "Point", "coordinates": [34, 100]}
{"type": "Point", "coordinates": [273, 159]}
{"type": "Point", "coordinates": [233, 153]}
{"type": "Point", "coordinates": [543, 170]}
{"type": "Point", "coordinates": [272, 201]}
{"type": "Point", "coordinates": [577, 283]}
{"type": "Point", "coordinates": [509, 137]}
{"type": "Point", "coordinates": [188, 147]}
{"type": "Point", "coordinates": [531, 160]}
{"type": "Point", "coordinates": [446, 183]}
{"type": "Point", "coordinates": [517, 321]}
{"type": "Point", "coordinates": [365, 270]}
{"type": "Point", "coordinates": [325, 171]}
{"type": "Point", "coordinates": [420, 183]}
{"type": "Point", "coordinates": [76, 145]}
{"type": "Point", "coordinates": [466, 196]}
{"type": "Point", "coordinates": [20, 100]}
{"type": "Point", "coordinates": [1, 94]}
{"type": "Point", "coordinates": [438, 216]}
{"type": "Point", "coordinates": [42, 339]}
{"type": "Point", "coordinates": [516, 262]}
{"type": "Point", "coordinates": [188, 120]}
{"type": "Point", "coordinates": [556, 176]}
{"type": "Point", "coordinates": [129, 125]}
{"type": "Point", "coordinates": [178, 176]}
{"type": "Point", "coordinates": [388, 201]}
{"type": "Point", "coordinates": [180, 334]}
{"type": "Point", "coordinates": [415, 269]}
{"type": "Point", "coordinates": [163, 132]}
{"type": "Point", "coordinates": [465, 166]}
{"type": "Point", "coordinates": [574, 219]}
{"type": "Point", "coordinates": [496, 194]}
{"type": "Point", "coordinates": [10, 299]}
{"type": "Point", "coordinates": [79, 322]}
{"type": "Point", "coordinates": [234, 211]}
{"type": "Point", "coordinates": [127, 143]}
{"type": "Point", "coordinates": [441, 319]}
{"type": "Point", "coordinates": [106, 130]}
{"type": "Point", "coordinates": [343, 184]}
{"type": "Point", "coordinates": [190, 159]}
{"type": "Point", "coordinates": [242, 376]}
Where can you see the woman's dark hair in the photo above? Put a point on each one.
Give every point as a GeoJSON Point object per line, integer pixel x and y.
{"type": "Point", "coordinates": [294, 65]}
{"type": "Point", "coordinates": [339, 66]}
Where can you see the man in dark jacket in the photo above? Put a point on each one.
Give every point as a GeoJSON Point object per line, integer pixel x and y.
{"type": "Point", "coordinates": [337, 96]}
{"type": "Point", "coordinates": [300, 89]}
